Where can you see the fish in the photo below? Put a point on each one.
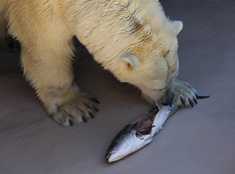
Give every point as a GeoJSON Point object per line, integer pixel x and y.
{"type": "Point", "coordinates": [138, 133]}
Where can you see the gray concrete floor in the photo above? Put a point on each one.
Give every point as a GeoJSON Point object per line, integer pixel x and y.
{"type": "Point", "coordinates": [193, 141]}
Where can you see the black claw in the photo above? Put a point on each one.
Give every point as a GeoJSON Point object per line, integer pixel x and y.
{"type": "Point", "coordinates": [195, 100]}
{"type": "Point", "coordinates": [87, 106]}
{"type": "Point", "coordinates": [95, 108]}
{"type": "Point", "coordinates": [84, 119]}
{"type": "Point", "coordinates": [95, 100]}
{"type": "Point", "coordinates": [202, 97]}
{"type": "Point", "coordinates": [182, 100]}
{"type": "Point", "coordinates": [91, 115]}
{"type": "Point", "coordinates": [190, 102]}
{"type": "Point", "coordinates": [71, 122]}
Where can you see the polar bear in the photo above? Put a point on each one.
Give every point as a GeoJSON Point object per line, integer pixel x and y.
{"type": "Point", "coordinates": [131, 38]}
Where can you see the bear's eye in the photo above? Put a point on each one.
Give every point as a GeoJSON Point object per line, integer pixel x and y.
{"type": "Point", "coordinates": [174, 73]}
{"type": "Point", "coordinates": [163, 89]}
{"type": "Point", "coordinates": [166, 54]}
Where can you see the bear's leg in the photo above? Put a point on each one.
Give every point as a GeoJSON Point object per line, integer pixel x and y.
{"type": "Point", "coordinates": [48, 68]}
{"type": "Point", "coordinates": [7, 42]}
{"type": "Point", "coordinates": [184, 94]}
{"type": "Point", "coordinates": [2, 26]}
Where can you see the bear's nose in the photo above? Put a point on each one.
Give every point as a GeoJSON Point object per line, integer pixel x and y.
{"type": "Point", "coordinates": [167, 99]}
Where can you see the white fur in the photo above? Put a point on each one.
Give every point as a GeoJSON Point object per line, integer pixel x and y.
{"type": "Point", "coordinates": [110, 30]}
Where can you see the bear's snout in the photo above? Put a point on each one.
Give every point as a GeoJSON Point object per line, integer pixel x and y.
{"type": "Point", "coordinates": [167, 99]}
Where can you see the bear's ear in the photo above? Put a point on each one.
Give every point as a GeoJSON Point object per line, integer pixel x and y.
{"type": "Point", "coordinates": [178, 26]}
{"type": "Point", "coordinates": [131, 61]}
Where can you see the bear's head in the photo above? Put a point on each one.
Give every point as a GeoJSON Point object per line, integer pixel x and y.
{"type": "Point", "coordinates": [152, 65]}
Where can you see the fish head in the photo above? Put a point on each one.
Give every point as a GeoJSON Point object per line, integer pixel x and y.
{"type": "Point", "coordinates": [125, 143]}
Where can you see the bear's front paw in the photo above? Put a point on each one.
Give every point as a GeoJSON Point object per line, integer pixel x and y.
{"type": "Point", "coordinates": [184, 94]}
{"type": "Point", "coordinates": [78, 109]}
